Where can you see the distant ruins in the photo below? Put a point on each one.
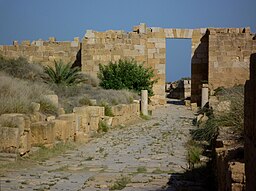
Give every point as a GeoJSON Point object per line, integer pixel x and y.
{"type": "Point", "coordinates": [220, 56]}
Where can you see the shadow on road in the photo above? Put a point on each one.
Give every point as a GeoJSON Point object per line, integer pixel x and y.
{"type": "Point", "coordinates": [197, 179]}
{"type": "Point", "coordinates": [175, 102]}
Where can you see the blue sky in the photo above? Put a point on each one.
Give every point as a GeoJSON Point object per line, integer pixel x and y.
{"type": "Point", "coordinates": [65, 19]}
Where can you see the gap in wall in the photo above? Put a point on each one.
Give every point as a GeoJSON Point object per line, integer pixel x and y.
{"type": "Point", "coordinates": [178, 59]}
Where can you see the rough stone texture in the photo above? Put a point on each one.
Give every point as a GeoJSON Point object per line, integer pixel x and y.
{"type": "Point", "coordinates": [229, 56]}
{"type": "Point", "coordinates": [199, 63]}
{"type": "Point", "coordinates": [124, 113]}
{"type": "Point", "coordinates": [53, 98]}
{"type": "Point", "coordinates": [63, 130]}
{"type": "Point", "coordinates": [18, 132]}
{"type": "Point", "coordinates": [9, 141]}
{"type": "Point", "coordinates": [44, 52]}
{"type": "Point", "coordinates": [43, 133]}
{"type": "Point", "coordinates": [250, 127]}
{"type": "Point", "coordinates": [229, 164]}
{"type": "Point", "coordinates": [88, 118]}
{"type": "Point", "coordinates": [10, 125]}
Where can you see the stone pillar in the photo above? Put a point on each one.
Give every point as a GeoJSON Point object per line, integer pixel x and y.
{"type": "Point", "coordinates": [144, 102]}
{"type": "Point", "coordinates": [205, 96]}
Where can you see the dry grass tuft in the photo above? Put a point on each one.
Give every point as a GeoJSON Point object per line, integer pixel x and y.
{"type": "Point", "coordinates": [16, 95]}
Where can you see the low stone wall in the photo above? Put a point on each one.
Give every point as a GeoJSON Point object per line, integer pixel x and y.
{"type": "Point", "coordinates": [229, 162]}
{"type": "Point", "coordinates": [125, 113]}
{"type": "Point", "coordinates": [19, 132]}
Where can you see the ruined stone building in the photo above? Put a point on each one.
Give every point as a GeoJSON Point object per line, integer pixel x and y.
{"type": "Point", "coordinates": [220, 56]}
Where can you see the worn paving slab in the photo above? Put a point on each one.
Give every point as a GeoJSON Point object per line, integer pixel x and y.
{"type": "Point", "coordinates": [144, 154]}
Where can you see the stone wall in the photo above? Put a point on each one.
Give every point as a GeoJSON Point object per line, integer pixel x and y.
{"type": "Point", "coordinates": [19, 132]}
{"type": "Point", "coordinates": [148, 46]}
{"type": "Point", "coordinates": [230, 167]}
{"type": "Point", "coordinates": [229, 55]}
{"type": "Point", "coordinates": [219, 56]}
{"type": "Point", "coordinates": [250, 127]}
{"type": "Point", "coordinates": [180, 90]}
{"type": "Point", "coordinates": [44, 52]}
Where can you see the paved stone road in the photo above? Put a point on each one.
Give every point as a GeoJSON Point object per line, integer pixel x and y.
{"type": "Point", "coordinates": [140, 156]}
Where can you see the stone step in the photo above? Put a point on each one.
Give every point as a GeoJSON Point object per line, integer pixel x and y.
{"type": "Point", "coordinates": [8, 157]}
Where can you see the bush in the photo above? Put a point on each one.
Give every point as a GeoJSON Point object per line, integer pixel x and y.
{"type": "Point", "coordinates": [193, 155]}
{"type": "Point", "coordinates": [108, 109]}
{"type": "Point", "coordinates": [206, 133]}
{"type": "Point", "coordinates": [63, 74]}
{"type": "Point", "coordinates": [102, 127]}
{"type": "Point", "coordinates": [127, 74]}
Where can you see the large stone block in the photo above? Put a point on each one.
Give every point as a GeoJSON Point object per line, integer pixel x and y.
{"type": "Point", "coordinates": [71, 118]}
{"type": "Point", "coordinates": [25, 143]}
{"type": "Point", "coordinates": [53, 98]}
{"type": "Point", "coordinates": [9, 139]}
{"type": "Point", "coordinates": [15, 120]}
{"type": "Point", "coordinates": [63, 129]}
{"type": "Point", "coordinates": [237, 172]}
{"type": "Point", "coordinates": [43, 133]}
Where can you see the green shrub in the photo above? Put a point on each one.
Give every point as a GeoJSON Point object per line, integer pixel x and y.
{"type": "Point", "coordinates": [194, 153]}
{"type": "Point", "coordinates": [63, 74]}
{"type": "Point", "coordinates": [141, 169]}
{"type": "Point", "coordinates": [120, 183]}
{"type": "Point", "coordinates": [206, 133]}
{"type": "Point", "coordinates": [127, 74]}
{"type": "Point", "coordinates": [103, 127]}
{"type": "Point", "coordinates": [108, 109]}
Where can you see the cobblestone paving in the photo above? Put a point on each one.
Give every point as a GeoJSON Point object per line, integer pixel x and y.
{"type": "Point", "coordinates": [139, 157]}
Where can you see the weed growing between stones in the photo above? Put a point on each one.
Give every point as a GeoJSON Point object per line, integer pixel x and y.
{"type": "Point", "coordinates": [107, 108]}
{"type": "Point", "coordinates": [90, 158]}
{"type": "Point", "coordinates": [145, 117]}
{"type": "Point", "coordinates": [120, 183]}
{"type": "Point", "coordinates": [102, 127]}
{"type": "Point", "coordinates": [194, 153]}
{"type": "Point", "coordinates": [141, 169]}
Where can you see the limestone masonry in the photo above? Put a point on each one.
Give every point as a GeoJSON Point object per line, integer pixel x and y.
{"type": "Point", "coordinates": [220, 56]}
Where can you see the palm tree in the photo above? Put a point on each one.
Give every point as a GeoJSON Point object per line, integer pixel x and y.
{"type": "Point", "coordinates": [63, 74]}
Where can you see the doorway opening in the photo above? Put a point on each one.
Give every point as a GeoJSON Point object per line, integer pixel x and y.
{"type": "Point", "coordinates": [178, 68]}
